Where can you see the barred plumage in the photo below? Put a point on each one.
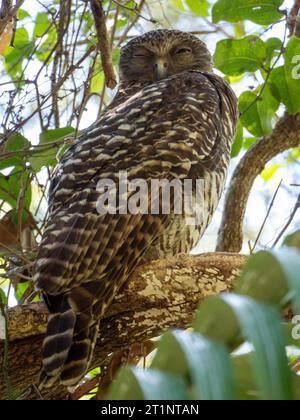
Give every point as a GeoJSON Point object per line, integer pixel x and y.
{"type": "Point", "coordinates": [174, 120]}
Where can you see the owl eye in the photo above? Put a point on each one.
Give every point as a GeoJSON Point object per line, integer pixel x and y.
{"type": "Point", "coordinates": [141, 54]}
{"type": "Point", "coordinates": [185, 50]}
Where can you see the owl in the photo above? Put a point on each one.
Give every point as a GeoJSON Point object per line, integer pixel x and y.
{"type": "Point", "coordinates": [171, 119]}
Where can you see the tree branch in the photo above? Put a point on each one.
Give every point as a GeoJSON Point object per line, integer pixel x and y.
{"type": "Point", "coordinates": [103, 43]}
{"type": "Point", "coordinates": [293, 19]}
{"type": "Point", "coordinates": [7, 12]}
{"type": "Point", "coordinates": [286, 135]}
{"type": "Point", "coordinates": [160, 295]}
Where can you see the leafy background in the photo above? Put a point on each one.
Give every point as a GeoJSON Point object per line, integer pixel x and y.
{"type": "Point", "coordinates": [52, 86]}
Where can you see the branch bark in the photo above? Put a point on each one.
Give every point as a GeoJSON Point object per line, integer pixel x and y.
{"type": "Point", "coordinates": [103, 43]}
{"type": "Point", "coordinates": [8, 12]}
{"type": "Point", "coordinates": [286, 135]}
{"type": "Point", "coordinates": [160, 295]}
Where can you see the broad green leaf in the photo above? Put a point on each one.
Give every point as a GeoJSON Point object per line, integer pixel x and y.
{"type": "Point", "coordinates": [249, 142]}
{"type": "Point", "coordinates": [215, 320]}
{"type": "Point", "coordinates": [285, 80]}
{"type": "Point", "coordinates": [258, 111]}
{"type": "Point", "coordinates": [3, 297]}
{"type": "Point", "coordinates": [42, 24]}
{"type": "Point", "coordinates": [261, 326]}
{"type": "Point", "coordinates": [274, 46]}
{"type": "Point", "coordinates": [43, 51]}
{"type": "Point", "coordinates": [245, 382]}
{"type": "Point", "coordinates": [22, 14]}
{"type": "Point", "coordinates": [238, 141]}
{"type": "Point", "coordinates": [20, 290]}
{"type": "Point", "coordinates": [14, 184]}
{"type": "Point", "coordinates": [263, 12]}
{"type": "Point", "coordinates": [14, 144]}
{"type": "Point", "coordinates": [199, 7]}
{"type": "Point", "coordinates": [150, 384]}
{"type": "Point", "coordinates": [47, 156]}
{"type": "Point", "coordinates": [237, 56]}
{"type": "Point", "coordinates": [272, 277]}
{"type": "Point", "coordinates": [14, 57]}
{"type": "Point", "coordinates": [263, 279]}
{"type": "Point", "coordinates": [178, 4]}
{"type": "Point", "coordinates": [270, 171]}
{"type": "Point", "coordinates": [205, 362]}
{"type": "Point", "coordinates": [289, 259]}
{"type": "Point", "coordinates": [56, 134]}
{"type": "Point", "coordinates": [293, 240]}
{"type": "Point", "coordinates": [97, 79]}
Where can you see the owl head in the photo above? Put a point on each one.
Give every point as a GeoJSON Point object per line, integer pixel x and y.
{"type": "Point", "coordinates": [162, 53]}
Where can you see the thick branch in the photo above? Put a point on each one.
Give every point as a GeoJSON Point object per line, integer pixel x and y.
{"type": "Point", "coordinates": [7, 12]}
{"type": "Point", "coordinates": [160, 295]}
{"type": "Point", "coordinates": [293, 19]}
{"type": "Point", "coordinates": [103, 43]}
{"type": "Point", "coordinates": [286, 135]}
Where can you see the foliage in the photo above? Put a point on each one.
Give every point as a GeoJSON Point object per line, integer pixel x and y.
{"type": "Point", "coordinates": [205, 365]}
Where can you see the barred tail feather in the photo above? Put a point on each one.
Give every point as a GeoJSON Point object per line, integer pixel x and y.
{"type": "Point", "coordinates": [80, 355]}
{"type": "Point", "coordinates": [59, 338]}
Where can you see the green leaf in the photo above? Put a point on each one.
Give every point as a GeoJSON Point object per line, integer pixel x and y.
{"type": "Point", "coordinates": [21, 289]}
{"type": "Point", "coordinates": [56, 134]}
{"type": "Point", "coordinates": [261, 326]}
{"type": "Point", "coordinates": [263, 279]}
{"type": "Point", "coordinates": [3, 297]}
{"type": "Point", "coordinates": [42, 24]}
{"type": "Point", "coordinates": [274, 46]}
{"type": "Point", "coordinates": [97, 79]}
{"type": "Point", "coordinates": [207, 364]}
{"type": "Point", "coordinates": [270, 171]}
{"type": "Point", "coordinates": [263, 12]}
{"type": "Point", "coordinates": [289, 259]}
{"type": "Point", "coordinates": [237, 56]}
{"type": "Point", "coordinates": [238, 141]}
{"type": "Point", "coordinates": [199, 7]}
{"type": "Point", "coordinates": [258, 111]}
{"type": "Point", "coordinates": [249, 142]}
{"type": "Point", "coordinates": [47, 156]}
{"type": "Point", "coordinates": [178, 4]}
{"type": "Point", "coordinates": [272, 277]}
{"type": "Point", "coordinates": [150, 384]}
{"type": "Point", "coordinates": [293, 240]}
{"type": "Point", "coordinates": [285, 80]}
{"type": "Point", "coordinates": [15, 144]}
{"type": "Point", "coordinates": [13, 184]}
{"type": "Point", "coordinates": [22, 14]}
{"type": "Point", "coordinates": [14, 57]}
{"type": "Point", "coordinates": [43, 51]}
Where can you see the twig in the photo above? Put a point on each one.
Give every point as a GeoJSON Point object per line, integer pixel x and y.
{"type": "Point", "coordinates": [291, 218]}
{"type": "Point", "coordinates": [266, 218]}
{"type": "Point", "coordinates": [103, 43]}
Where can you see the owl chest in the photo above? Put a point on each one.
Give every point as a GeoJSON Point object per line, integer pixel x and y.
{"type": "Point", "coordinates": [185, 230]}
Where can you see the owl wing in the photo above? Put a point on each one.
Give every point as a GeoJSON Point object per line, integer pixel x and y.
{"type": "Point", "coordinates": [161, 132]}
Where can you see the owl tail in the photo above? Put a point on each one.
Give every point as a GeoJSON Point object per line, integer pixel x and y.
{"type": "Point", "coordinates": [59, 338]}
{"type": "Point", "coordinates": [70, 340]}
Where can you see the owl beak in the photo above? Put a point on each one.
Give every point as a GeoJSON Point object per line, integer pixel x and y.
{"type": "Point", "coordinates": [160, 69]}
